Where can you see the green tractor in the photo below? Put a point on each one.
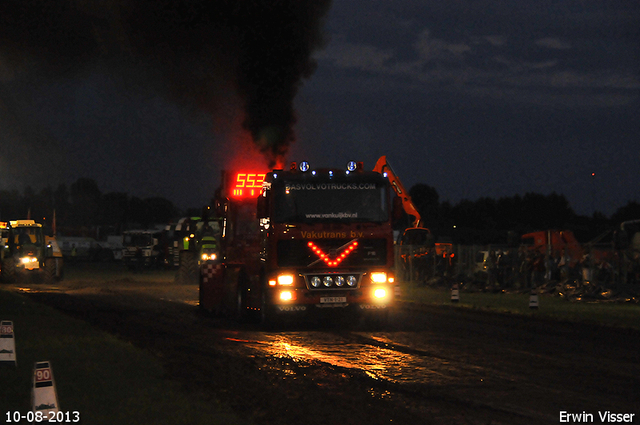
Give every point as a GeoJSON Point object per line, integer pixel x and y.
{"type": "Point", "coordinates": [29, 254]}
{"type": "Point", "coordinates": [198, 245]}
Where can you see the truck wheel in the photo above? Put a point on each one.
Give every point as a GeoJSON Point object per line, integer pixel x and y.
{"type": "Point", "coordinates": [268, 318]}
{"type": "Point", "coordinates": [188, 271]}
{"type": "Point", "coordinates": [207, 312]}
{"type": "Point", "coordinates": [8, 271]}
{"type": "Point", "coordinates": [241, 305]}
{"type": "Point", "coordinates": [49, 272]}
{"type": "Point", "coordinates": [242, 312]}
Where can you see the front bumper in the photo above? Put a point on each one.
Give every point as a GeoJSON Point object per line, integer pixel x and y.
{"type": "Point", "coordinates": [378, 297]}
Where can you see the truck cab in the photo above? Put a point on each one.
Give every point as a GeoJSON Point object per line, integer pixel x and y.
{"type": "Point", "coordinates": [313, 241]}
{"type": "Point", "coordinates": [141, 248]}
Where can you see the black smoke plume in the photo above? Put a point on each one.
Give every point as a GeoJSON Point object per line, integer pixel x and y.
{"type": "Point", "coordinates": [198, 53]}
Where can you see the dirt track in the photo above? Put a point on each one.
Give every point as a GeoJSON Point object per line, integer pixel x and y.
{"type": "Point", "coordinates": [432, 365]}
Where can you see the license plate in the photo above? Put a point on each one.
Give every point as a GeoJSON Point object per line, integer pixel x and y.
{"type": "Point", "coordinates": [333, 300]}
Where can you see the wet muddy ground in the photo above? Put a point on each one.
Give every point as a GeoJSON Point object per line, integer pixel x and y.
{"type": "Point", "coordinates": [431, 365]}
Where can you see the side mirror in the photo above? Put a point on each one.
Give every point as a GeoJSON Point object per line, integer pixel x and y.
{"type": "Point", "coordinates": [263, 205]}
{"type": "Point", "coordinates": [221, 207]}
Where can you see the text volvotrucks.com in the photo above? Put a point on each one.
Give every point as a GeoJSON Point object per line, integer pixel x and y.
{"type": "Point", "coordinates": [303, 241]}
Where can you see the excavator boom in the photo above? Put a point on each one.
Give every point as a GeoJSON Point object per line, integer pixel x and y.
{"type": "Point", "coordinates": [382, 166]}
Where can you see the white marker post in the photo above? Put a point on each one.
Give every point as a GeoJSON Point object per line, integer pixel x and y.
{"type": "Point", "coordinates": [455, 293]}
{"type": "Point", "coordinates": [533, 299]}
{"type": "Point", "coordinates": [44, 397]}
{"type": "Point", "coordinates": [7, 344]}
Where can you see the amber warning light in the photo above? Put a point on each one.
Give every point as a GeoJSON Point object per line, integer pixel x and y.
{"type": "Point", "coordinates": [245, 185]}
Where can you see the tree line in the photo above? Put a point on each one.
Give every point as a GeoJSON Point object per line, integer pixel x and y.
{"type": "Point", "coordinates": [495, 221]}
{"type": "Point", "coordinates": [82, 207]}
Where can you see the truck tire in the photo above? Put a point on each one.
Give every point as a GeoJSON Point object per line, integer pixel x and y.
{"type": "Point", "coordinates": [241, 314]}
{"type": "Point", "coordinates": [268, 318]}
{"type": "Point", "coordinates": [207, 312]}
{"type": "Point", "coordinates": [8, 271]}
{"type": "Point", "coordinates": [188, 271]}
{"type": "Point", "coordinates": [49, 272]}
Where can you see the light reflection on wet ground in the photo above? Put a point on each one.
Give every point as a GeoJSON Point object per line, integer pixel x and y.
{"type": "Point", "coordinates": [397, 357]}
{"type": "Point", "coordinates": [377, 362]}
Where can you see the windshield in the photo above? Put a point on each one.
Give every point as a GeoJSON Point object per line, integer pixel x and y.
{"type": "Point", "coordinates": [27, 236]}
{"type": "Point", "coordinates": [339, 201]}
{"type": "Point", "coordinates": [138, 240]}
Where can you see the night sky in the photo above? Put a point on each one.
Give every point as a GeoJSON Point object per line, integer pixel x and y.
{"type": "Point", "coordinates": [478, 99]}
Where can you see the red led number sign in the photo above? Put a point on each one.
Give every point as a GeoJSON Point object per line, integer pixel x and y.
{"type": "Point", "coordinates": [247, 185]}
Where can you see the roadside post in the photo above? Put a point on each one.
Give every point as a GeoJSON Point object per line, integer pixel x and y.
{"type": "Point", "coordinates": [455, 293]}
{"type": "Point", "coordinates": [7, 344]}
{"type": "Point", "coordinates": [533, 299]}
{"type": "Point", "coordinates": [44, 397]}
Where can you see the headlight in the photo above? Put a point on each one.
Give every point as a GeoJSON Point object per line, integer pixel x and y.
{"type": "Point", "coordinates": [207, 257]}
{"type": "Point", "coordinates": [286, 296]}
{"type": "Point", "coordinates": [380, 293]}
{"type": "Point", "coordinates": [379, 277]}
{"type": "Point", "coordinates": [315, 281]}
{"type": "Point", "coordinates": [352, 281]}
{"type": "Point", "coordinates": [340, 281]}
{"type": "Point", "coordinates": [27, 260]}
{"type": "Point", "coordinates": [285, 279]}
{"type": "Point", "coordinates": [327, 281]}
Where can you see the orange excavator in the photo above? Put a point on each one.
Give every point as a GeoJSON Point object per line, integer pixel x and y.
{"type": "Point", "coordinates": [418, 237]}
{"type": "Point", "coordinates": [416, 232]}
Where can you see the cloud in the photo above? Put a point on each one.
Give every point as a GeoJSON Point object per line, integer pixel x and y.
{"type": "Point", "coordinates": [432, 49]}
{"type": "Point", "coordinates": [496, 40]}
{"type": "Point", "coordinates": [519, 65]}
{"type": "Point", "coordinates": [359, 56]}
{"type": "Point", "coordinates": [464, 67]}
{"type": "Point", "coordinates": [552, 43]}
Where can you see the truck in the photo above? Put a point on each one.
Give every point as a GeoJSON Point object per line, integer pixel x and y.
{"type": "Point", "coordinates": [141, 249]}
{"type": "Point", "coordinates": [304, 242]}
{"type": "Point", "coordinates": [553, 242]}
{"type": "Point", "coordinates": [29, 254]}
{"type": "Point", "coordinates": [573, 258]}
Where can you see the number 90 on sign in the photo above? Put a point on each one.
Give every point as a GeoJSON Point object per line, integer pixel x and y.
{"type": "Point", "coordinates": [43, 375]}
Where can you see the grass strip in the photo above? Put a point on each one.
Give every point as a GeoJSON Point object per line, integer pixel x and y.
{"type": "Point", "coordinates": [623, 315]}
{"type": "Point", "coordinates": [107, 380]}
